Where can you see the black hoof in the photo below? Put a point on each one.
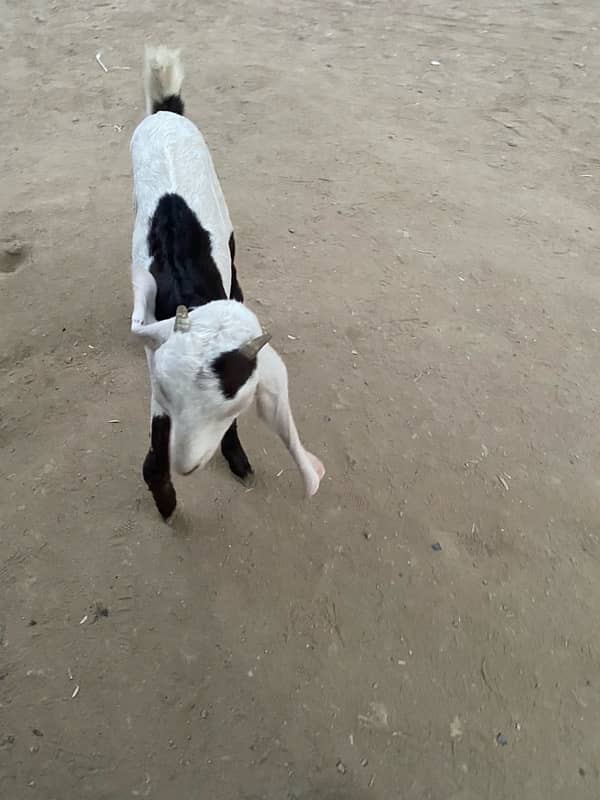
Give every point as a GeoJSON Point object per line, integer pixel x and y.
{"type": "Point", "coordinates": [241, 467]}
{"type": "Point", "coordinates": [235, 456]}
{"type": "Point", "coordinates": [165, 499]}
{"type": "Point", "coordinates": [160, 485]}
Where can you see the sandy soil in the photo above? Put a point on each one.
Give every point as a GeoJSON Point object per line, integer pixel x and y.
{"type": "Point", "coordinates": [415, 193]}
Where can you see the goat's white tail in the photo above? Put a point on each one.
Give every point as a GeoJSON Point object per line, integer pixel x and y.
{"type": "Point", "coordinates": [163, 76]}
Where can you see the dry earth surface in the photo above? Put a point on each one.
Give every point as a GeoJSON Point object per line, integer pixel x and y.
{"type": "Point", "coordinates": [415, 192]}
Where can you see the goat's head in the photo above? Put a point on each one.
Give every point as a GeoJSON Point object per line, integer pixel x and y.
{"type": "Point", "coordinates": [204, 376]}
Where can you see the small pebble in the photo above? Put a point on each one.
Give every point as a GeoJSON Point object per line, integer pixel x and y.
{"type": "Point", "coordinates": [14, 248]}
{"type": "Point", "coordinates": [501, 739]}
{"type": "Point", "coordinates": [367, 534]}
{"type": "Point", "coordinates": [37, 732]}
{"type": "Point", "coordinates": [341, 767]}
{"type": "Point", "coordinates": [436, 546]}
{"type": "Point", "coordinates": [364, 762]}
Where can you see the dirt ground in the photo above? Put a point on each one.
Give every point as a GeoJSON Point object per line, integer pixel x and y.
{"type": "Point", "coordinates": [415, 193]}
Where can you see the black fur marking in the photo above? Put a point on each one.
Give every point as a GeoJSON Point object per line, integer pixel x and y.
{"type": "Point", "coordinates": [236, 290]}
{"type": "Point", "coordinates": [232, 449]}
{"type": "Point", "coordinates": [172, 103]}
{"type": "Point", "coordinates": [233, 370]}
{"type": "Point", "coordinates": [156, 469]}
{"type": "Point", "coordinates": [182, 265]}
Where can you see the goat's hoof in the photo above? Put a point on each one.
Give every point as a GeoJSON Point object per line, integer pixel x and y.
{"type": "Point", "coordinates": [313, 480]}
{"type": "Point", "coordinates": [242, 469]}
{"type": "Point", "coordinates": [165, 499]}
{"type": "Point", "coordinates": [249, 480]}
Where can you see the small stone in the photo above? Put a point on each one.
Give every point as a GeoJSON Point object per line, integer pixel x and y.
{"type": "Point", "coordinates": [436, 546]}
{"type": "Point", "coordinates": [367, 535]}
{"type": "Point", "coordinates": [501, 739]}
{"type": "Point", "coordinates": [34, 748]}
{"type": "Point", "coordinates": [582, 772]}
{"type": "Point", "coordinates": [341, 767]}
{"type": "Point", "coordinates": [37, 732]}
{"type": "Point", "coordinates": [364, 762]}
{"type": "Point", "coordinates": [99, 610]}
{"type": "Point", "coordinates": [14, 247]}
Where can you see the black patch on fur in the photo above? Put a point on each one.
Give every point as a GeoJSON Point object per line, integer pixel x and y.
{"type": "Point", "coordinates": [233, 370]}
{"type": "Point", "coordinates": [182, 262]}
{"type": "Point", "coordinates": [172, 103]}
{"type": "Point", "coordinates": [232, 450]}
{"type": "Point", "coordinates": [157, 469]}
{"type": "Point", "coordinates": [236, 290]}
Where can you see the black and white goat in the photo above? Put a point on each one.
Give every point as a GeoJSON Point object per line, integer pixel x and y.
{"type": "Point", "coordinates": [208, 357]}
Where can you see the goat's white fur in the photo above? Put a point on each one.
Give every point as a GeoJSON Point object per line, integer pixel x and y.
{"type": "Point", "coordinates": [169, 154]}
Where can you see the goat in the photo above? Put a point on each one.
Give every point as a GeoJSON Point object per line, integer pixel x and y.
{"type": "Point", "coordinates": [208, 357]}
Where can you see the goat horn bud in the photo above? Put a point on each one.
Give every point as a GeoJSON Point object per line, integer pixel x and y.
{"type": "Point", "coordinates": [251, 348]}
{"type": "Point", "coordinates": [182, 320]}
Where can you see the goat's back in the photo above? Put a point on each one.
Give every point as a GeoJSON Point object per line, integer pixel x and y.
{"type": "Point", "coordinates": [169, 156]}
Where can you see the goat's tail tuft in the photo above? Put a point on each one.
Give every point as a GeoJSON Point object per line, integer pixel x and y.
{"type": "Point", "coordinates": [163, 76]}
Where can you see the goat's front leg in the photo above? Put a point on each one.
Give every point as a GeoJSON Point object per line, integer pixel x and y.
{"type": "Point", "coordinates": [236, 457]}
{"type": "Point", "coordinates": [274, 408]}
{"type": "Point", "coordinates": [156, 469]}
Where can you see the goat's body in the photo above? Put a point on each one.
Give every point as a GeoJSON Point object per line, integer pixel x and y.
{"type": "Point", "coordinates": [205, 374]}
{"type": "Point", "coordinates": [170, 157]}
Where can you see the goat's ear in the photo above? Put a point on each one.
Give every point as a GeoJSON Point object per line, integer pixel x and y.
{"type": "Point", "coordinates": [154, 334]}
{"type": "Point", "coordinates": [143, 323]}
